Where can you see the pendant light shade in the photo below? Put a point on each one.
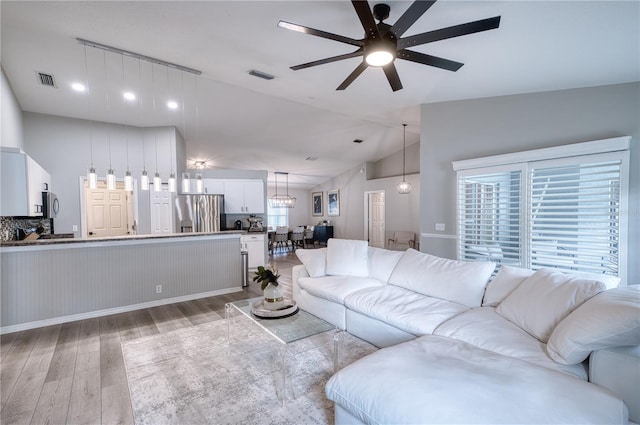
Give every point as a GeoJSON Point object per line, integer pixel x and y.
{"type": "Point", "coordinates": [404, 187]}
{"type": "Point", "coordinates": [172, 182]}
{"type": "Point", "coordinates": [186, 183]}
{"type": "Point", "coordinates": [199, 184]}
{"type": "Point", "coordinates": [282, 201]}
{"type": "Point", "coordinates": [144, 180]}
{"type": "Point", "coordinates": [93, 178]}
{"type": "Point", "coordinates": [111, 180]}
{"type": "Point", "coordinates": [128, 182]}
{"type": "Point", "coordinates": [157, 182]}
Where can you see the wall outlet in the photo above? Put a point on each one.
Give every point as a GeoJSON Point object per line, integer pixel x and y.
{"type": "Point", "coordinates": [440, 227]}
{"type": "Point", "coordinates": [75, 228]}
{"type": "Point", "coordinates": [158, 289]}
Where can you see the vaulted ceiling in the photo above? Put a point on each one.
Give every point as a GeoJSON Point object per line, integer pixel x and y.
{"type": "Point", "coordinates": [235, 120]}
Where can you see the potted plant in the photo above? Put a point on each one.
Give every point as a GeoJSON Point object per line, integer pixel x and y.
{"type": "Point", "coordinates": [272, 291]}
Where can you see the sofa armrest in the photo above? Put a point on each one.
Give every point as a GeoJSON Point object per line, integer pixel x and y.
{"type": "Point", "coordinates": [618, 370]}
{"type": "Point", "coordinates": [297, 272]}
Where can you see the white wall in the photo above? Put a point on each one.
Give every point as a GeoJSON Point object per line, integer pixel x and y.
{"type": "Point", "coordinates": [481, 127]}
{"type": "Point", "coordinates": [62, 147]}
{"type": "Point", "coordinates": [11, 113]}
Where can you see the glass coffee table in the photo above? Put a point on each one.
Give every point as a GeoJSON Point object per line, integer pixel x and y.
{"type": "Point", "coordinates": [285, 330]}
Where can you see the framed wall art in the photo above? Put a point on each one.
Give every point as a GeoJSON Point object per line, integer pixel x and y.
{"type": "Point", "coordinates": [333, 202]}
{"type": "Point", "coordinates": [316, 203]}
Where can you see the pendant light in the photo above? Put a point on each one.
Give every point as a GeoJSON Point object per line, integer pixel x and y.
{"type": "Point", "coordinates": [92, 177]}
{"type": "Point", "coordinates": [404, 187]}
{"type": "Point", "coordinates": [172, 175]}
{"type": "Point", "coordinates": [144, 177]}
{"type": "Point", "coordinates": [128, 178]}
{"type": "Point", "coordinates": [282, 201]}
{"type": "Point", "coordinates": [157, 182]}
{"type": "Point", "coordinates": [199, 184]}
{"type": "Point", "coordinates": [186, 183]}
{"type": "Point", "coordinates": [111, 177]}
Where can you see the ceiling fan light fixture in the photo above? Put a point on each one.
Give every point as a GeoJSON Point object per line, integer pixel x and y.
{"type": "Point", "coordinates": [379, 58]}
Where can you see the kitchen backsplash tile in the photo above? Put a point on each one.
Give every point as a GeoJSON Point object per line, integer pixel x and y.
{"type": "Point", "coordinates": [9, 225]}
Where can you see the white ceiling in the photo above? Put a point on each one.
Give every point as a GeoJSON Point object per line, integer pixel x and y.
{"type": "Point", "coordinates": [234, 120]}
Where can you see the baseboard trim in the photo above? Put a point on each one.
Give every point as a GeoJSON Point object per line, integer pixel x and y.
{"type": "Point", "coordinates": [115, 310]}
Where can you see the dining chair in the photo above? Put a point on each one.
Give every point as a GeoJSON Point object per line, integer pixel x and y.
{"type": "Point", "coordinates": [281, 238]}
{"type": "Point", "coordinates": [402, 241]}
{"type": "Point", "coordinates": [297, 237]}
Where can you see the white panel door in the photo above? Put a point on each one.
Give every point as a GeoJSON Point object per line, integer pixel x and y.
{"type": "Point", "coordinates": [106, 212]}
{"type": "Point", "coordinates": [376, 219]}
{"type": "Point", "coordinates": [161, 211]}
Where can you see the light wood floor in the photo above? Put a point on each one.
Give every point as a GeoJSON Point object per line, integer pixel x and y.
{"type": "Point", "coordinates": [74, 372]}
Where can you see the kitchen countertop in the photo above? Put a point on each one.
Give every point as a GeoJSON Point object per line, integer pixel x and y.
{"type": "Point", "coordinates": [67, 241]}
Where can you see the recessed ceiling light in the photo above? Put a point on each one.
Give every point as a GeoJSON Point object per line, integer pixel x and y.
{"type": "Point", "coordinates": [172, 105]}
{"type": "Point", "coordinates": [78, 87]}
{"type": "Point", "coordinates": [129, 96]}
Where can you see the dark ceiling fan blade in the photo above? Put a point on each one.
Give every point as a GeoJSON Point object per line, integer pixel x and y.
{"type": "Point", "coordinates": [392, 75]}
{"type": "Point", "coordinates": [410, 16]}
{"type": "Point", "coordinates": [417, 57]}
{"type": "Point", "coordinates": [450, 32]}
{"type": "Point", "coordinates": [357, 53]}
{"type": "Point", "coordinates": [320, 33]}
{"type": "Point", "coordinates": [356, 72]}
{"type": "Point", "coordinates": [366, 18]}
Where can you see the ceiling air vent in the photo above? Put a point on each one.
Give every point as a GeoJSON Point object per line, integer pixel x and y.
{"type": "Point", "coordinates": [260, 74]}
{"type": "Point", "coordinates": [46, 79]}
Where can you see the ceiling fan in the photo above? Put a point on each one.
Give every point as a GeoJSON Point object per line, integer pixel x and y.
{"type": "Point", "coordinates": [383, 43]}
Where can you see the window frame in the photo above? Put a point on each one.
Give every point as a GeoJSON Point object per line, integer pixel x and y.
{"type": "Point", "coordinates": [614, 149]}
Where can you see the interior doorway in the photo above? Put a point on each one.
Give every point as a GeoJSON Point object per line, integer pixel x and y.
{"type": "Point", "coordinates": [107, 213]}
{"type": "Point", "coordinates": [374, 218]}
{"type": "Point", "coordinates": [161, 204]}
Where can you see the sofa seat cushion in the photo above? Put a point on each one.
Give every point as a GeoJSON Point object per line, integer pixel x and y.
{"type": "Point", "coordinates": [404, 309]}
{"type": "Point", "coordinates": [486, 329]}
{"type": "Point", "coordinates": [439, 380]}
{"type": "Point", "coordinates": [336, 288]}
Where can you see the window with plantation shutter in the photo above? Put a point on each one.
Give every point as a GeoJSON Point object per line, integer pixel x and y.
{"type": "Point", "coordinates": [574, 219]}
{"type": "Point", "coordinates": [560, 209]}
{"type": "Point", "coordinates": [489, 208]}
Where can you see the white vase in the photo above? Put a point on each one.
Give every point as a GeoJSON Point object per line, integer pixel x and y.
{"type": "Point", "coordinates": [273, 297]}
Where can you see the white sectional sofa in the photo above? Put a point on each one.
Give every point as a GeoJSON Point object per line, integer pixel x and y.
{"type": "Point", "coordinates": [528, 347]}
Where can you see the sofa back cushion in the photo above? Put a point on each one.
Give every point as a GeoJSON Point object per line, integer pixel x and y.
{"type": "Point", "coordinates": [382, 262]}
{"type": "Point", "coordinates": [314, 260]}
{"type": "Point", "coordinates": [507, 279]}
{"type": "Point", "coordinates": [609, 319]}
{"type": "Point", "coordinates": [462, 282]}
{"type": "Point", "coordinates": [539, 303]}
{"type": "Point", "coordinates": [347, 258]}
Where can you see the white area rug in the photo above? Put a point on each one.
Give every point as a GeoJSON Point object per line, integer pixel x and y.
{"type": "Point", "coordinates": [192, 376]}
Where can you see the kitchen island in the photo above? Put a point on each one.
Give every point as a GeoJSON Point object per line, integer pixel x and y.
{"type": "Point", "coordinates": [53, 281]}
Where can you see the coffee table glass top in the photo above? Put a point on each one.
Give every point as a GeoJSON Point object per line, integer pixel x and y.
{"type": "Point", "coordinates": [287, 329]}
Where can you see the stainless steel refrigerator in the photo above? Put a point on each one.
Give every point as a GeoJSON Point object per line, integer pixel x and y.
{"type": "Point", "coordinates": [200, 213]}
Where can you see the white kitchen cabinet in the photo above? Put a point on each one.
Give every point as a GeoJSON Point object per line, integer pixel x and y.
{"type": "Point", "coordinates": [23, 181]}
{"type": "Point", "coordinates": [254, 244]}
{"type": "Point", "coordinates": [214, 186]}
{"type": "Point", "coordinates": [244, 197]}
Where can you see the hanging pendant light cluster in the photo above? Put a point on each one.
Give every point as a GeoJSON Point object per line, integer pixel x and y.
{"type": "Point", "coordinates": [282, 201]}
{"type": "Point", "coordinates": [404, 187]}
{"type": "Point", "coordinates": [111, 179]}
